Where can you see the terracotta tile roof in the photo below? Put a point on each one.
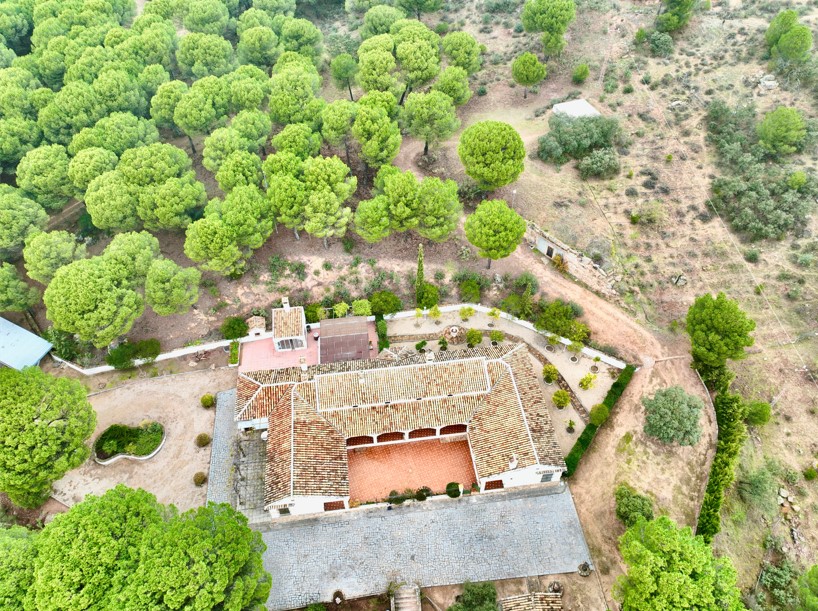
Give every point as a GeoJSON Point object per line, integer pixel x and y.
{"type": "Point", "coordinates": [288, 323]}
{"type": "Point", "coordinates": [312, 413]}
{"type": "Point", "coordinates": [498, 430]}
{"type": "Point", "coordinates": [257, 322]}
{"type": "Point", "coordinates": [536, 601]}
{"type": "Point", "coordinates": [320, 453]}
{"type": "Point", "coordinates": [427, 381]}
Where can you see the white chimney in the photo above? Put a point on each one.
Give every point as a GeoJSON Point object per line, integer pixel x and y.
{"type": "Point", "coordinates": [285, 303]}
{"type": "Point", "coordinates": [512, 464]}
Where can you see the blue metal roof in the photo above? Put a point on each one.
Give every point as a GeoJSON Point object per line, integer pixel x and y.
{"type": "Point", "coordinates": [20, 348]}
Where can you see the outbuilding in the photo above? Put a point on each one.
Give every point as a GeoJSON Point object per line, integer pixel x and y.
{"type": "Point", "coordinates": [20, 348]}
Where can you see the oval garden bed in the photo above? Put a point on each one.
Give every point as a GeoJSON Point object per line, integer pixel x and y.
{"type": "Point", "coordinates": [134, 442]}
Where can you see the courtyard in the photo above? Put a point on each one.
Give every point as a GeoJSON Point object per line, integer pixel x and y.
{"type": "Point", "coordinates": [512, 533]}
{"type": "Point", "coordinates": [377, 470]}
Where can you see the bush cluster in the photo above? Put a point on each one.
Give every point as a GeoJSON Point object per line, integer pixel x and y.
{"type": "Point", "coordinates": [380, 328]}
{"type": "Point", "coordinates": [234, 327]}
{"type": "Point", "coordinates": [587, 436]}
{"type": "Point", "coordinates": [631, 506]}
{"type": "Point", "coordinates": [208, 401]}
{"type": "Point", "coordinates": [421, 494]}
{"type": "Point", "coordinates": [576, 138]}
{"type": "Point", "coordinates": [732, 433]}
{"type": "Point", "coordinates": [760, 199]}
{"type": "Point", "coordinates": [121, 439]}
{"type": "Point", "coordinates": [124, 355]}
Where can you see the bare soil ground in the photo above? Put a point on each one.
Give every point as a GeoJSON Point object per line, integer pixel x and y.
{"type": "Point", "coordinates": [174, 402]}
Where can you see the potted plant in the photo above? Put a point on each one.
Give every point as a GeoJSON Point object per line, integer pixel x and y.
{"type": "Point", "coordinates": [587, 381]}
{"type": "Point", "coordinates": [549, 374]}
{"type": "Point", "coordinates": [570, 426]}
{"type": "Point", "coordinates": [435, 314]}
{"type": "Point", "coordinates": [595, 366]}
{"type": "Point", "coordinates": [442, 344]}
{"type": "Point", "coordinates": [575, 348]}
{"type": "Point", "coordinates": [466, 312]}
{"type": "Point", "coordinates": [418, 316]}
{"type": "Point", "coordinates": [553, 340]}
{"type": "Point", "coordinates": [561, 399]}
{"type": "Point", "coordinates": [496, 337]}
{"type": "Point", "coordinates": [421, 346]}
{"type": "Point", "coordinates": [494, 315]}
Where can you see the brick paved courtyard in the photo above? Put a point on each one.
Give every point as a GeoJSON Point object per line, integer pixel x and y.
{"type": "Point", "coordinates": [375, 471]}
{"type": "Point", "coordinates": [514, 533]}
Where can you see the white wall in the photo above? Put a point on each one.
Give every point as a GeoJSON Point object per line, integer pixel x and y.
{"type": "Point", "coordinates": [523, 477]}
{"type": "Point", "coordinates": [303, 505]}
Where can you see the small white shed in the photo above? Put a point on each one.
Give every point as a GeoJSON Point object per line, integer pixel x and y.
{"type": "Point", "coordinates": [576, 108]}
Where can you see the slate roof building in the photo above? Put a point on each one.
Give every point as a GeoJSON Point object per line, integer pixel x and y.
{"type": "Point", "coordinates": [315, 415]}
{"type": "Point", "coordinates": [20, 348]}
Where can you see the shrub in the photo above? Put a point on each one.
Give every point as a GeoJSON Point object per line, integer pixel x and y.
{"type": "Point", "coordinates": [587, 381]}
{"type": "Point", "coordinates": [550, 373]}
{"type": "Point", "coordinates": [233, 356]}
{"type": "Point", "coordinates": [122, 439]}
{"type": "Point", "coordinates": [752, 255]}
{"type": "Point", "coordinates": [430, 296]}
{"type": "Point", "coordinates": [632, 506]}
{"type": "Point", "coordinates": [601, 163]}
{"type": "Point", "coordinates": [385, 302]}
{"type": "Point", "coordinates": [526, 282]}
{"type": "Point", "coordinates": [361, 307]}
{"type": "Point", "coordinates": [339, 310]}
{"type": "Point", "coordinates": [599, 414]}
{"type": "Point", "coordinates": [758, 413]}
{"type": "Point", "coordinates": [469, 291]}
{"type": "Point", "coordinates": [558, 317]}
{"type": "Point", "coordinates": [453, 489]}
{"type": "Point", "coordinates": [810, 474]}
{"type": "Point", "coordinates": [208, 401]}
{"type": "Point", "coordinates": [124, 355]}
{"type": "Point", "coordinates": [380, 329]}
{"type": "Point", "coordinates": [420, 346]}
{"type": "Point", "coordinates": [473, 337]}
{"type": "Point", "coordinates": [661, 44]}
{"type": "Point", "coordinates": [466, 312]}
{"type": "Point", "coordinates": [757, 489]}
{"type": "Point", "coordinates": [234, 327]}
{"type": "Point", "coordinates": [203, 440]}
{"type": "Point", "coordinates": [420, 495]}
{"type": "Point", "coordinates": [200, 478]}
{"type": "Point", "coordinates": [443, 344]}
{"type": "Point", "coordinates": [576, 138]}
{"type": "Point", "coordinates": [496, 336]}
{"type": "Point", "coordinates": [672, 416]}
{"type": "Point", "coordinates": [313, 313]}
{"type": "Point", "coordinates": [561, 398]}
{"type": "Point", "coordinates": [580, 73]}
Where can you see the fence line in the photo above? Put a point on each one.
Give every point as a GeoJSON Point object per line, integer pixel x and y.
{"type": "Point", "coordinates": [446, 309]}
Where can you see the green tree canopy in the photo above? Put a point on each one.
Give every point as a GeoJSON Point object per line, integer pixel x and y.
{"type": "Point", "coordinates": [808, 589]}
{"type": "Point", "coordinates": [669, 568]}
{"type": "Point", "coordinates": [202, 55]}
{"type": "Point", "coordinates": [207, 17]}
{"type": "Point", "coordinates": [85, 298]}
{"type": "Point", "coordinates": [258, 46]}
{"type": "Point", "coordinates": [336, 123]}
{"type": "Point", "coordinates": [418, 7]}
{"type": "Point", "coordinates": [379, 20]}
{"type": "Point", "coordinates": [551, 17]}
{"type": "Point", "coordinates": [117, 133]}
{"type": "Point", "coordinates": [46, 252]}
{"type": "Point", "coordinates": [430, 117]}
{"type": "Point", "coordinates": [298, 139]}
{"type": "Point", "coordinates": [674, 15]}
{"type": "Point", "coordinates": [43, 174]}
{"type": "Point", "coordinates": [16, 566]}
{"type": "Point", "coordinates": [454, 82]}
{"type": "Point", "coordinates": [462, 50]}
{"type": "Point", "coordinates": [18, 135]}
{"type": "Point", "coordinates": [170, 288]}
{"type": "Point", "coordinates": [87, 165]}
{"type": "Point", "coordinates": [780, 25]}
{"type": "Point", "coordinates": [164, 102]}
{"type": "Point", "coordinates": [527, 71]}
{"type": "Point", "coordinates": [495, 229]}
{"type": "Point", "coordinates": [378, 136]}
{"type": "Point", "coordinates": [718, 330]}
{"type": "Point", "coordinates": [343, 69]}
{"type": "Point", "coordinates": [794, 45]}
{"type": "Point", "coordinates": [44, 423]}
{"type": "Point", "coordinates": [440, 209]}
{"type": "Point", "coordinates": [672, 416]}
{"type": "Point", "coordinates": [239, 168]}
{"type": "Point", "coordinates": [492, 153]}
{"type": "Point", "coordinates": [293, 96]}
{"type": "Point", "coordinates": [782, 131]}
{"type": "Point", "coordinates": [19, 218]}
{"type": "Point", "coordinates": [15, 294]}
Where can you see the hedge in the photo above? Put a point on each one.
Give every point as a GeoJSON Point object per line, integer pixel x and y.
{"type": "Point", "coordinates": [587, 436]}
{"type": "Point", "coordinates": [732, 433]}
{"type": "Point", "coordinates": [380, 328]}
